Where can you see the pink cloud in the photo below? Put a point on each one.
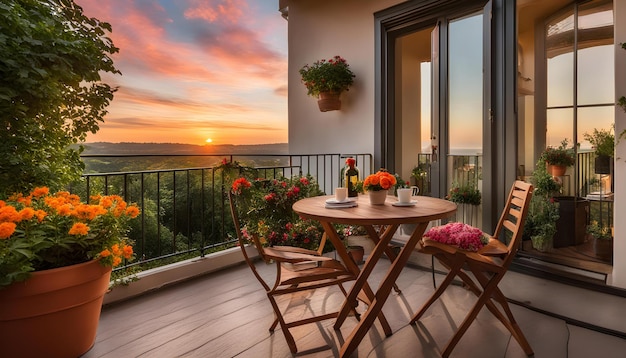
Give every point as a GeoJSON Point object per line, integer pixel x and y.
{"type": "Point", "coordinates": [226, 10]}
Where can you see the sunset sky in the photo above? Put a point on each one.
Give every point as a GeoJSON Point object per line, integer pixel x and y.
{"type": "Point", "coordinates": [194, 70]}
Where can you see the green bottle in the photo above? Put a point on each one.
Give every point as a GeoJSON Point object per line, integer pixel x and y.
{"type": "Point", "coordinates": [351, 177]}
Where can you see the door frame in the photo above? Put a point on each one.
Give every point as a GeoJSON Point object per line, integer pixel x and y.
{"type": "Point", "coordinates": [500, 135]}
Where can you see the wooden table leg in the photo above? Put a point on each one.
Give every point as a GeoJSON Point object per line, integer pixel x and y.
{"type": "Point", "coordinates": [360, 285]}
{"type": "Point", "coordinates": [367, 319]}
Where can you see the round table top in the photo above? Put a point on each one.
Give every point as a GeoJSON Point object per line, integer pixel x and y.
{"type": "Point", "coordinates": [425, 209]}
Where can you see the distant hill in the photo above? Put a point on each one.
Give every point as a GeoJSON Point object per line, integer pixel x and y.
{"type": "Point", "coordinates": [103, 148]}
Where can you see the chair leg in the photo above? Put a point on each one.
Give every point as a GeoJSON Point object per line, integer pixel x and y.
{"type": "Point", "coordinates": [509, 321]}
{"type": "Point", "coordinates": [455, 267]}
{"type": "Point", "coordinates": [291, 342]}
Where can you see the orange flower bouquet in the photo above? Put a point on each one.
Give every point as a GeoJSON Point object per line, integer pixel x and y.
{"type": "Point", "coordinates": [381, 180]}
{"type": "Point", "coordinates": [42, 231]}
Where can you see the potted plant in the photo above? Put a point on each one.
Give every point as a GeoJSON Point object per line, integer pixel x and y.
{"type": "Point", "coordinates": [543, 212]}
{"type": "Point", "coordinates": [603, 240]}
{"type": "Point", "coordinates": [268, 214]}
{"type": "Point", "coordinates": [355, 236]}
{"type": "Point", "coordinates": [420, 176]}
{"type": "Point", "coordinates": [468, 198]}
{"type": "Point", "coordinates": [56, 255]}
{"type": "Point", "coordinates": [559, 159]}
{"type": "Point", "coordinates": [326, 79]}
{"type": "Point", "coordinates": [603, 142]}
{"type": "Point", "coordinates": [377, 186]}
{"type": "Point", "coordinates": [52, 59]}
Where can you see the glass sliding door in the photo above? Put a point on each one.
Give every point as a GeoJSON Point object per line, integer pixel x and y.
{"type": "Point", "coordinates": [465, 93]}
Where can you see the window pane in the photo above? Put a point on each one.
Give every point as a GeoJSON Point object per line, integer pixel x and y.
{"type": "Point", "coordinates": [560, 126]}
{"type": "Point", "coordinates": [466, 85]}
{"type": "Point", "coordinates": [594, 117]}
{"type": "Point", "coordinates": [596, 72]}
{"type": "Point", "coordinates": [559, 51]}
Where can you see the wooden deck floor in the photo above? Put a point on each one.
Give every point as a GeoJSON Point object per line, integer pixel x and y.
{"type": "Point", "coordinates": [226, 314]}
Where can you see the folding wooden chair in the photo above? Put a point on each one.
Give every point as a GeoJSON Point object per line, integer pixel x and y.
{"type": "Point", "coordinates": [488, 266]}
{"type": "Point", "coordinates": [297, 269]}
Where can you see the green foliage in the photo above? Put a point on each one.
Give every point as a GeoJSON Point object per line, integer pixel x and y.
{"type": "Point", "coordinates": [561, 155]}
{"type": "Point", "coordinates": [51, 94]}
{"type": "Point", "coordinates": [464, 194]}
{"type": "Point", "coordinates": [602, 140]}
{"type": "Point", "coordinates": [599, 232]}
{"type": "Point", "coordinates": [333, 75]}
{"type": "Point", "coordinates": [265, 209]}
{"type": "Point", "coordinates": [543, 212]}
{"type": "Point", "coordinates": [543, 183]}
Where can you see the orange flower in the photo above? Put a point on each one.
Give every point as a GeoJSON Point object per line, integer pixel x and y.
{"type": "Point", "coordinates": [64, 210]}
{"type": "Point", "coordinates": [116, 250]}
{"type": "Point", "coordinates": [132, 211]}
{"type": "Point", "coordinates": [27, 213]}
{"type": "Point", "coordinates": [381, 180]}
{"type": "Point", "coordinates": [79, 229]}
{"type": "Point", "coordinates": [40, 215]}
{"type": "Point", "coordinates": [9, 214]}
{"type": "Point", "coordinates": [106, 202]}
{"type": "Point", "coordinates": [105, 253]}
{"type": "Point", "coordinates": [39, 192]}
{"type": "Point", "coordinates": [128, 252]}
{"type": "Point", "coordinates": [116, 261]}
{"type": "Point", "coordinates": [6, 230]}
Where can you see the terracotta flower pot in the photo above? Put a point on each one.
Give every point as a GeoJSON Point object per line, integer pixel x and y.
{"type": "Point", "coordinates": [357, 253]}
{"type": "Point", "coordinates": [329, 101]}
{"type": "Point", "coordinates": [54, 313]}
{"type": "Point", "coordinates": [377, 197]}
{"type": "Point", "coordinates": [557, 170]}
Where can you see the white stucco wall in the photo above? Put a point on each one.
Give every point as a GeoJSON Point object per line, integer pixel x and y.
{"type": "Point", "coordinates": [619, 242]}
{"type": "Point", "coordinates": [319, 29]}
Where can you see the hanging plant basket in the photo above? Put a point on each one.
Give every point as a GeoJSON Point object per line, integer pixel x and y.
{"type": "Point", "coordinates": [329, 101]}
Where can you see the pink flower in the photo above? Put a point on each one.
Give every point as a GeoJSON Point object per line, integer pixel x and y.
{"type": "Point", "coordinates": [462, 235]}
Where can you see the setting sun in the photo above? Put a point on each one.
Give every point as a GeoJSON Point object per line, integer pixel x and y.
{"type": "Point", "coordinates": [209, 140]}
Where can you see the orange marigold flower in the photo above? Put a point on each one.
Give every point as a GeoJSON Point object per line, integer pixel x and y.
{"type": "Point", "coordinates": [116, 261]}
{"type": "Point", "coordinates": [128, 252]}
{"type": "Point", "coordinates": [6, 230]}
{"type": "Point", "coordinates": [9, 214]}
{"type": "Point", "coordinates": [27, 213]}
{"type": "Point", "coordinates": [2, 203]}
{"type": "Point", "coordinates": [64, 210]}
{"type": "Point", "coordinates": [39, 192]}
{"type": "Point", "coordinates": [132, 211]}
{"type": "Point", "coordinates": [95, 198]}
{"type": "Point", "coordinates": [106, 202]}
{"type": "Point", "coordinates": [105, 253]}
{"type": "Point", "coordinates": [40, 215]}
{"type": "Point", "coordinates": [116, 250]}
{"type": "Point", "coordinates": [79, 229]}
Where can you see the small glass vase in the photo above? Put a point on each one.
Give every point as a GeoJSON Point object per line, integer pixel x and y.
{"type": "Point", "coordinates": [378, 197]}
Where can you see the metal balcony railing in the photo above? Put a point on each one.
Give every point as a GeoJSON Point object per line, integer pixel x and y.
{"type": "Point", "coordinates": [183, 198]}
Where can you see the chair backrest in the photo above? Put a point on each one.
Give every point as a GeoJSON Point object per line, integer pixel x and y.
{"type": "Point", "coordinates": [243, 242]}
{"type": "Point", "coordinates": [513, 216]}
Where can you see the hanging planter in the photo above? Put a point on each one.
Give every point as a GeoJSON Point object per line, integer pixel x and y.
{"type": "Point", "coordinates": [329, 101]}
{"type": "Point", "coordinates": [326, 79]}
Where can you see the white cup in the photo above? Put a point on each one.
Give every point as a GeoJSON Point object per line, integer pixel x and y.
{"type": "Point", "coordinates": [404, 195]}
{"type": "Point", "coordinates": [341, 194]}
